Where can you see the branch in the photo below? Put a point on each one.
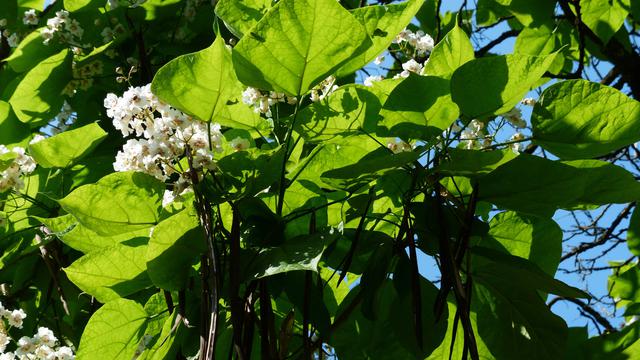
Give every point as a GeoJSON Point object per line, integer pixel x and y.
{"type": "Point", "coordinates": [587, 309]}
{"type": "Point", "coordinates": [602, 238]}
{"type": "Point", "coordinates": [504, 36]}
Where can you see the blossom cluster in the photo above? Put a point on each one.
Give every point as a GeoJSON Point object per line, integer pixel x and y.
{"type": "Point", "coordinates": [322, 90]}
{"type": "Point", "coordinates": [68, 30]}
{"type": "Point", "coordinates": [162, 135]}
{"type": "Point", "coordinates": [12, 38]}
{"type": "Point", "coordinates": [262, 102]}
{"type": "Point", "coordinates": [83, 77]}
{"type": "Point", "coordinates": [421, 42]}
{"type": "Point", "coordinates": [21, 164]}
{"type": "Point", "coordinates": [42, 345]}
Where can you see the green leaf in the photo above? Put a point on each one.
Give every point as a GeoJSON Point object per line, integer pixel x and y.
{"type": "Point", "coordinates": [82, 5]}
{"type": "Point", "coordinates": [366, 170]}
{"type": "Point", "coordinates": [493, 85]}
{"type": "Point", "coordinates": [297, 44]}
{"type": "Point", "coordinates": [64, 149]}
{"type": "Point", "coordinates": [633, 233]}
{"type": "Point", "coordinates": [579, 119]}
{"type": "Point", "coordinates": [31, 51]}
{"type": "Point", "coordinates": [513, 269]}
{"type": "Point", "coordinates": [113, 331]}
{"type": "Point", "coordinates": [382, 23]}
{"type": "Point", "coordinates": [450, 53]}
{"type": "Point", "coordinates": [389, 334]}
{"type": "Point", "coordinates": [174, 246]}
{"type": "Point", "coordinates": [118, 203]}
{"type": "Point", "coordinates": [13, 131]}
{"type": "Point", "coordinates": [536, 239]}
{"type": "Point", "coordinates": [617, 345]}
{"type": "Point", "coordinates": [111, 273]}
{"type": "Point", "coordinates": [471, 163]}
{"type": "Point", "coordinates": [85, 240]}
{"type": "Point", "coordinates": [301, 253]}
{"type": "Point", "coordinates": [347, 110]}
{"type": "Point", "coordinates": [604, 18]}
{"type": "Point", "coordinates": [240, 16]}
{"type": "Point", "coordinates": [529, 13]}
{"type": "Point", "coordinates": [515, 323]}
{"type": "Point", "coordinates": [38, 95]}
{"type": "Point", "coordinates": [538, 186]}
{"type": "Point", "coordinates": [420, 107]}
{"type": "Point", "coordinates": [204, 85]}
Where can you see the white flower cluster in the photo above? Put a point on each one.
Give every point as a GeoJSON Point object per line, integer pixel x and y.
{"type": "Point", "coordinates": [398, 146]}
{"type": "Point", "coordinates": [83, 77]}
{"type": "Point", "coordinates": [61, 122]}
{"type": "Point", "coordinates": [474, 136]}
{"type": "Point", "coordinates": [163, 135]}
{"type": "Point", "coordinates": [262, 102]}
{"type": "Point", "coordinates": [322, 90]}
{"type": "Point", "coordinates": [110, 32]}
{"type": "Point", "coordinates": [421, 42]}
{"type": "Point", "coordinates": [67, 29]}
{"type": "Point", "coordinates": [43, 345]}
{"type": "Point", "coordinates": [22, 164]}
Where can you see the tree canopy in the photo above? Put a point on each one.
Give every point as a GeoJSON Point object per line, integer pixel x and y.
{"type": "Point", "coordinates": [310, 179]}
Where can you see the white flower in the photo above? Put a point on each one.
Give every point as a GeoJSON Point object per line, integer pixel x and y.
{"type": "Point", "coordinates": [13, 40]}
{"type": "Point", "coordinates": [26, 345]}
{"type": "Point", "coordinates": [4, 340]}
{"type": "Point", "coordinates": [64, 353]}
{"type": "Point", "coordinates": [46, 337]}
{"type": "Point", "coordinates": [528, 101]}
{"type": "Point", "coordinates": [379, 59]}
{"type": "Point", "coordinates": [167, 199]}
{"type": "Point", "coordinates": [514, 116]}
{"type": "Point", "coordinates": [3, 22]}
{"type": "Point", "coordinates": [371, 79]}
{"type": "Point", "coordinates": [516, 146]}
{"type": "Point", "coordinates": [239, 144]}
{"type": "Point", "coordinates": [7, 356]}
{"type": "Point", "coordinates": [15, 318]}
{"type": "Point", "coordinates": [30, 17]}
{"type": "Point", "coordinates": [424, 44]}
{"type": "Point", "coordinates": [44, 352]}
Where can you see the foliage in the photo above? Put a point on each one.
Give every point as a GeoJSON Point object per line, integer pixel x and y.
{"type": "Point", "coordinates": [196, 179]}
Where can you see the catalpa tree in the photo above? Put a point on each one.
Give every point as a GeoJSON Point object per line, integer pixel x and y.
{"type": "Point", "coordinates": [305, 179]}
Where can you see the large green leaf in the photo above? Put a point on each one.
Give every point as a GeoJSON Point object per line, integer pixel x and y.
{"type": "Point", "coordinates": [528, 237]}
{"type": "Point", "coordinates": [347, 110]}
{"type": "Point", "coordinates": [514, 321]}
{"type": "Point", "coordinates": [111, 273]}
{"type": "Point", "coordinates": [113, 331]}
{"type": "Point", "coordinates": [538, 186]}
{"type": "Point", "coordinates": [30, 51]}
{"type": "Point", "coordinates": [204, 85]}
{"type": "Point", "coordinates": [241, 15]}
{"type": "Point", "coordinates": [493, 85]}
{"type": "Point", "coordinates": [450, 53]}
{"type": "Point", "coordinates": [633, 233]}
{"type": "Point", "coordinates": [390, 335]}
{"type": "Point", "coordinates": [66, 148]}
{"type": "Point", "coordinates": [581, 119]}
{"type": "Point", "coordinates": [604, 18]}
{"type": "Point", "coordinates": [297, 44]}
{"type": "Point", "coordinates": [118, 203]}
{"type": "Point", "coordinates": [420, 107]}
{"type": "Point", "coordinates": [470, 163]}
{"type": "Point", "coordinates": [301, 253]}
{"type": "Point", "coordinates": [38, 95]}
{"type": "Point", "coordinates": [383, 23]}
{"type": "Point", "coordinates": [529, 13]}
{"type": "Point", "coordinates": [174, 246]}
{"type": "Point", "coordinates": [493, 265]}
{"type": "Point", "coordinates": [13, 131]}
{"type": "Point", "coordinates": [82, 5]}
